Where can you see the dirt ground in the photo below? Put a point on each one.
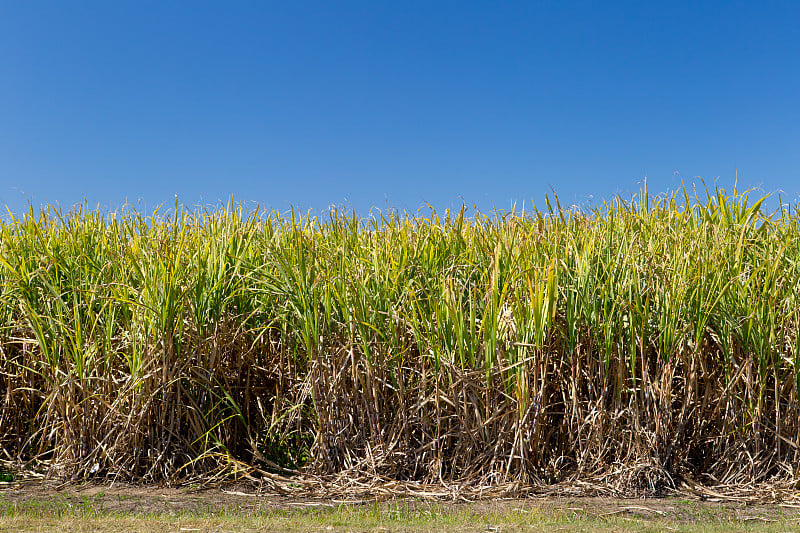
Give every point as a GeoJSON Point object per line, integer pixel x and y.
{"type": "Point", "coordinates": [120, 498]}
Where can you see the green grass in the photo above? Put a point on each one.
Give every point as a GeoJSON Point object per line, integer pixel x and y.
{"type": "Point", "coordinates": [87, 515]}
{"type": "Point", "coordinates": [391, 517]}
{"type": "Point", "coordinates": [647, 341]}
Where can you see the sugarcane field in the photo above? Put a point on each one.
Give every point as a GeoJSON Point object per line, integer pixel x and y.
{"type": "Point", "coordinates": [645, 347]}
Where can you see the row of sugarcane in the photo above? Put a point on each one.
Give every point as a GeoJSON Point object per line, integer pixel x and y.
{"type": "Point", "coordinates": [644, 341]}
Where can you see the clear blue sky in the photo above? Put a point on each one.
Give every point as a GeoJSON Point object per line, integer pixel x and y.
{"type": "Point", "coordinates": [393, 104]}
